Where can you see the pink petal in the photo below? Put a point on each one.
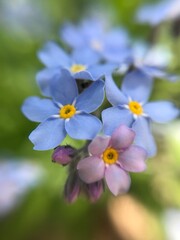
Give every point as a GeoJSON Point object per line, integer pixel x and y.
{"type": "Point", "coordinates": [98, 145]}
{"type": "Point", "coordinates": [117, 179]}
{"type": "Point", "coordinates": [91, 169]}
{"type": "Point", "coordinates": [133, 159]}
{"type": "Point", "coordinates": [122, 137]}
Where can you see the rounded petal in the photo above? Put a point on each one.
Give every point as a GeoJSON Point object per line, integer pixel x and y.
{"type": "Point", "coordinates": [71, 35]}
{"type": "Point", "coordinates": [117, 179]}
{"type": "Point", "coordinates": [37, 109]}
{"type": "Point", "coordinates": [53, 56]}
{"type": "Point", "coordinates": [98, 145]}
{"type": "Point", "coordinates": [113, 117]}
{"type": "Point", "coordinates": [64, 88]}
{"type": "Point", "coordinates": [83, 126]}
{"type": "Point", "coordinates": [162, 111]}
{"type": "Point", "coordinates": [143, 137]}
{"type": "Point", "coordinates": [83, 75]}
{"type": "Point", "coordinates": [48, 134]}
{"type": "Point", "coordinates": [133, 159]}
{"type": "Point", "coordinates": [44, 77]}
{"type": "Point", "coordinates": [99, 70]}
{"type": "Point", "coordinates": [137, 85]}
{"type": "Point", "coordinates": [113, 93]}
{"type": "Point", "coordinates": [122, 137]}
{"type": "Point", "coordinates": [91, 169]}
{"type": "Point", "coordinates": [85, 56]}
{"type": "Point", "coordinates": [91, 98]}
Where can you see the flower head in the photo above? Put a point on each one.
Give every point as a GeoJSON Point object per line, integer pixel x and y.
{"type": "Point", "coordinates": [82, 64]}
{"type": "Point", "coordinates": [111, 45]}
{"type": "Point", "coordinates": [112, 158]}
{"type": "Point", "coordinates": [66, 113]}
{"type": "Point", "coordinates": [130, 107]}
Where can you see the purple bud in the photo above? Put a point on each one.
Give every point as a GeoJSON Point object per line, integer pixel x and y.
{"type": "Point", "coordinates": [63, 154]}
{"type": "Point", "coordinates": [72, 188]}
{"type": "Point", "coordinates": [95, 190]}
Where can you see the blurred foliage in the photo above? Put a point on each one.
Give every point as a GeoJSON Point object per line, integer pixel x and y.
{"type": "Point", "coordinates": [43, 213]}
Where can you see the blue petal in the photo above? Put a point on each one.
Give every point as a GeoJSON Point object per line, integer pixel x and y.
{"type": "Point", "coordinates": [121, 55]}
{"type": "Point", "coordinates": [137, 85]}
{"type": "Point", "coordinates": [86, 57]}
{"type": "Point", "coordinates": [83, 126]}
{"type": "Point", "coordinates": [113, 117]}
{"type": "Point", "coordinates": [116, 38]}
{"type": "Point", "coordinates": [83, 75]}
{"type": "Point", "coordinates": [91, 98]}
{"type": "Point", "coordinates": [161, 112]}
{"type": "Point", "coordinates": [53, 56]}
{"type": "Point", "coordinates": [64, 88]}
{"type": "Point", "coordinates": [114, 95]}
{"type": "Point", "coordinates": [37, 109]}
{"type": "Point", "coordinates": [156, 72]}
{"type": "Point", "coordinates": [71, 35]}
{"type": "Point", "coordinates": [44, 77]}
{"type": "Point", "coordinates": [143, 137]}
{"type": "Point", "coordinates": [49, 134]}
{"type": "Point", "coordinates": [99, 70]}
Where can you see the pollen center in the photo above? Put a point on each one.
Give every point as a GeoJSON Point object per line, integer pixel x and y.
{"type": "Point", "coordinates": [135, 108]}
{"type": "Point", "coordinates": [67, 111]}
{"type": "Point", "coordinates": [110, 156]}
{"type": "Point", "coordinates": [77, 68]}
{"type": "Point", "coordinates": [95, 44]}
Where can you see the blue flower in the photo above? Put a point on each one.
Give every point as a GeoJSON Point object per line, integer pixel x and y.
{"type": "Point", "coordinates": [92, 34]}
{"type": "Point", "coordinates": [151, 60]}
{"type": "Point", "coordinates": [66, 113]}
{"type": "Point", "coordinates": [130, 107]}
{"type": "Point", "coordinates": [82, 64]}
{"type": "Point", "coordinates": [160, 12]}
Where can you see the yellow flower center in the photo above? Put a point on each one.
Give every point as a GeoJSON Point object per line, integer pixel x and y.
{"type": "Point", "coordinates": [110, 156]}
{"type": "Point", "coordinates": [77, 68]}
{"type": "Point", "coordinates": [135, 108]}
{"type": "Point", "coordinates": [67, 111]}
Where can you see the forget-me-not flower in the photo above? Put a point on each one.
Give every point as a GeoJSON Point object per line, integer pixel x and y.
{"type": "Point", "coordinates": [112, 158]}
{"type": "Point", "coordinates": [66, 113]}
{"type": "Point", "coordinates": [130, 107]}
{"type": "Point", "coordinates": [92, 34]}
{"type": "Point", "coordinates": [82, 64]}
{"type": "Point", "coordinates": [152, 61]}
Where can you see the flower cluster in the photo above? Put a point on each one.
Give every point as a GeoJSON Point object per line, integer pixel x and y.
{"type": "Point", "coordinates": [118, 139]}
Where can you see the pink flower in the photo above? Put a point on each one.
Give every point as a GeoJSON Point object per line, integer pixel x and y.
{"type": "Point", "coordinates": [112, 158]}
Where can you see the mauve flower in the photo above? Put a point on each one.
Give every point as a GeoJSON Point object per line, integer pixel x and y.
{"type": "Point", "coordinates": [112, 158]}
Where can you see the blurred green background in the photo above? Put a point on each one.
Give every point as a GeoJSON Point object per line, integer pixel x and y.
{"type": "Point", "coordinates": [41, 212]}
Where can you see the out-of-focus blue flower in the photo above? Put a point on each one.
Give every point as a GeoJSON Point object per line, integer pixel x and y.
{"type": "Point", "coordinates": [16, 178]}
{"type": "Point", "coordinates": [92, 34]}
{"type": "Point", "coordinates": [152, 61]}
{"type": "Point", "coordinates": [160, 12]}
{"type": "Point", "coordinates": [130, 107]}
{"type": "Point", "coordinates": [67, 113]}
{"type": "Point", "coordinates": [82, 64]}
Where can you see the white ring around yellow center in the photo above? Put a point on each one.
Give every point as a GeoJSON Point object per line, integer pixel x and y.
{"type": "Point", "coordinates": [67, 111]}
{"type": "Point", "coordinates": [110, 156]}
{"type": "Point", "coordinates": [77, 68]}
{"type": "Point", "coordinates": [135, 108]}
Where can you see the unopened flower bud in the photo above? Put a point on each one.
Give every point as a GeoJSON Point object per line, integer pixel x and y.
{"type": "Point", "coordinates": [72, 188]}
{"type": "Point", "coordinates": [95, 190]}
{"type": "Point", "coordinates": [63, 154]}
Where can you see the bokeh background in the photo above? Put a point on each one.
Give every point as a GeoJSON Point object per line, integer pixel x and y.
{"type": "Point", "coordinates": [32, 205]}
